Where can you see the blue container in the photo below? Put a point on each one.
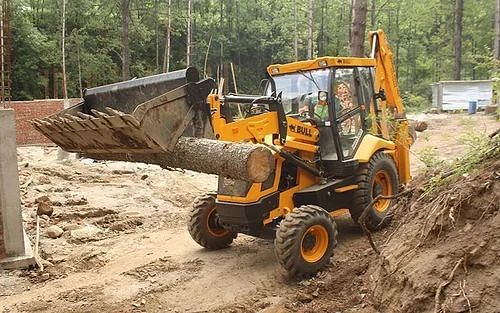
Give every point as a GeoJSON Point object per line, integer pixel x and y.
{"type": "Point", "coordinates": [472, 107]}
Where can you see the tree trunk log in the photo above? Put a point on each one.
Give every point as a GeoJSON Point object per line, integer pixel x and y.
{"type": "Point", "coordinates": [242, 161]}
{"type": "Point", "coordinates": [459, 11]}
{"type": "Point", "coordinates": [358, 28]}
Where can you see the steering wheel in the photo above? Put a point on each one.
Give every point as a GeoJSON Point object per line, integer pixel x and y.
{"type": "Point", "coordinates": [252, 109]}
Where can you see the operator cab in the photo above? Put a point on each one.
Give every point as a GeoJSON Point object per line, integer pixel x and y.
{"type": "Point", "coordinates": [337, 100]}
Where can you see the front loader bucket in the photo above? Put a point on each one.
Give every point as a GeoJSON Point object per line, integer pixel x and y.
{"type": "Point", "coordinates": [146, 115]}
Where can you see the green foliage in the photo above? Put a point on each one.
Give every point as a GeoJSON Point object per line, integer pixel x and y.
{"type": "Point", "coordinates": [415, 103]}
{"type": "Point", "coordinates": [430, 157]}
{"type": "Point", "coordinates": [250, 34]}
{"type": "Point", "coordinates": [480, 149]}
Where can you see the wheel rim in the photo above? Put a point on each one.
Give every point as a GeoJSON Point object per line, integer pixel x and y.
{"type": "Point", "coordinates": [314, 243]}
{"type": "Point", "coordinates": [213, 225]}
{"type": "Point", "coordinates": [382, 186]}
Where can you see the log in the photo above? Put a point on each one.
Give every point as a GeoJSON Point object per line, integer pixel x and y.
{"type": "Point", "coordinates": [242, 161]}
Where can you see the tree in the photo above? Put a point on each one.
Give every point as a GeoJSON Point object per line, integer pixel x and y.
{"type": "Point", "coordinates": [189, 32]}
{"type": "Point", "coordinates": [125, 14]}
{"type": "Point", "coordinates": [497, 31]}
{"type": "Point", "coordinates": [63, 52]}
{"type": "Point", "coordinates": [358, 27]}
{"type": "Point", "coordinates": [61, 154]}
{"type": "Point", "coordinates": [295, 32]}
{"type": "Point", "coordinates": [459, 11]}
{"type": "Point", "coordinates": [310, 26]}
{"type": "Point", "coordinates": [166, 58]}
{"type": "Point", "coordinates": [250, 34]}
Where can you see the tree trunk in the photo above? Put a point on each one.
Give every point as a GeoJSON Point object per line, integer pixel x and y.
{"type": "Point", "coordinates": [459, 10]}
{"type": "Point", "coordinates": [189, 30]}
{"type": "Point", "coordinates": [321, 39]}
{"type": "Point", "coordinates": [61, 154]}
{"type": "Point", "coordinates": [358, 28]}
{"type": "Point", "coordinates": [55, 83]}
{"type": "Point", "coordinates": [242, 161]}
{"type": "Point", "coordinates": [157, 35]}
{"type": "Point", "coordinates": [373, 15]}
{"type": "Point", "coordinates": [295, 34]}
{"type": "Point", "coordinates": [63, 40]}
{"type": "Point", "coordinates": [125, 12]}
{"type": "Point", "coordinates": [310, 24]}
{"type": "Point", "coordinates": [166, 58]}
{"type": "Point", "coordinates": [496, 46]}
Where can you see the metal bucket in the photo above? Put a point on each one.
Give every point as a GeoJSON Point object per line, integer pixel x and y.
{"type": "Point", "coordinates": [140, 116]}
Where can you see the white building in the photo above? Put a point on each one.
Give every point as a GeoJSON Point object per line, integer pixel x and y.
{"type": "Point", "coordinates": [455, 95]}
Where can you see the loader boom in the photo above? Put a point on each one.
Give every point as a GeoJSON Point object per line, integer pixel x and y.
{"type": "Point", "coordinates": [390, 102]}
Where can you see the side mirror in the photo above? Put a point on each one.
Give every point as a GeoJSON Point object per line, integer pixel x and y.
{"type": "Point", "coordinates": [323, 96]}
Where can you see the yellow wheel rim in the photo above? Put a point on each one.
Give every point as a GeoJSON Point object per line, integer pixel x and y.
{"type": "Point", "coordinates": [314, 243]}
{"type": "Point", "coordinates": [213, 226]}
{"type": "Point", "coordinates": [382, 186]}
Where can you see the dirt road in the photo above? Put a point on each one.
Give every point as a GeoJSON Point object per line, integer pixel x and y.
{"type": "Point", "coordinates": [125, 247]}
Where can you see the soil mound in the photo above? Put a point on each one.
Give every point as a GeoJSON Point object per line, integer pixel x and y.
{"type": "Point", "coordinates": [444, 252]}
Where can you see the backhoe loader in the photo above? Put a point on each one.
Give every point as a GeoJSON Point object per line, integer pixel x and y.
{"type": "Point", "coordinates": [336, 127]}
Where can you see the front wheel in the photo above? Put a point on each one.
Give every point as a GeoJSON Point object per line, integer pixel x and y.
{"type": "Point", "coordinates": [305, 240]}
{"type": "Point", "coordinates": [377, 177]}
{"type": "Point", "coordinates": [204, 226]}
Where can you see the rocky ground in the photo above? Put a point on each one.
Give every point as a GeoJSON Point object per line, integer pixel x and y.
{"type": "Point", "coordinates": [117, 242]}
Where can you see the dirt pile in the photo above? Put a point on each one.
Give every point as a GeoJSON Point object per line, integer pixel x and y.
{"type": "Point", "coordinates": [444, 252]}
{"type": "Point", "coordinates": [441, 253]}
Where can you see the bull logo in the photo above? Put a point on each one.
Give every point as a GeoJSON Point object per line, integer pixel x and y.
{"type": "Point", "coordinates": [300, 130]}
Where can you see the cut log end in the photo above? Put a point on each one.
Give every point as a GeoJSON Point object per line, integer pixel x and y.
{"type": "Point", "coordinates": [260, 164]}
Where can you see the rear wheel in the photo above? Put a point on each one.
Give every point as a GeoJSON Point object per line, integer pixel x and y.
{"type": "Point", "coordinates": [305, 240]}
{"type": "Point", "coordinates": [204, 226]}
{"type": "Point", "coordinates": [377, 177]}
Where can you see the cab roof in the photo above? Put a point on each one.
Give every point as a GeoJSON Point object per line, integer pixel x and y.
{"type": "Point", "coordinates": [318, 63]}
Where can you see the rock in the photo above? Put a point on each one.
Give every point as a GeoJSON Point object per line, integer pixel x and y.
{"type": "Point", "coordinates": [76, 201]}
{"type": "Point", "coordinates": [467, 227]}
{"type": "Point", "coordinates": [316, 293]}
{"type": "Point", "coordinates": [70, 227]}
{"type": "Point", "coordinates": [490, 109]}
{"type": "Point", "coordinates": [44, 208]}
{"type": "Point", "coordinates": [54, 231]}
{"type": "Point", "coordinates": [42, 199]}
{"type": "Point", "coordinates": [86, 233]}
{"type": "Point", "coordinates": [61, 189]}
{"type": "Point", "coordinates": [44, 276]}
{"type": "Point", "coordinates": [145, 176]}
{"type": "Point", "coordinates": [420, 126]}
{"type": "Point", "coordinates": [305, 297]}
{"type": "Point", "coordinates": [46, 263]}
{"type": "Point", "coordinates": [43, 180]}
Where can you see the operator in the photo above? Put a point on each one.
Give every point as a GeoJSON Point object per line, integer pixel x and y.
{"type": "Point", "coordinates": [320, 107]}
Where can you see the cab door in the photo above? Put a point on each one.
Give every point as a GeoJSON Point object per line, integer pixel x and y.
{"type": "Point", "coordinates": [352, 94]}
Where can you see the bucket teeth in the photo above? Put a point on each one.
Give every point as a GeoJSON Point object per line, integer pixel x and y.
{"type": "Point", "coordinates": [84, 116]}
{"type": "Point", "coordinates": [73, 118]}
{"type": "Point", "coordinates": [98, 114]}
{"type": "Point", "coordinates": [148, 127]}
{"type": "Point", "coordinates": [114, 112]}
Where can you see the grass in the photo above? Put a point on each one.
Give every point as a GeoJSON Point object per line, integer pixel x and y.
{"type": "Point", "coordinates": [479, 149]}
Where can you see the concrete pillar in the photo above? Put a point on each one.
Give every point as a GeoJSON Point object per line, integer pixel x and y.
{"type": "Point", "coordinates": [15, 249]}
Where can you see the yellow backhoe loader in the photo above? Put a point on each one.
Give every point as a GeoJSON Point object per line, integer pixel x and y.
{"type": "Point", "coordinates": [336, 127]}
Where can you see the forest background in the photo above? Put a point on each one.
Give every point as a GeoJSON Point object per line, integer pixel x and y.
{"type": "Point", "coordinates": [111, 40]}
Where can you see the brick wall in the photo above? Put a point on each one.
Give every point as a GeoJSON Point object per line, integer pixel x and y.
{"type": "Point", "coordinates": [28, 110]}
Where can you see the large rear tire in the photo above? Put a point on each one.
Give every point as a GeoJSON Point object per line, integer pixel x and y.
{"type": "Point", "coordinates": [378, 176]}
{"type": "Point", "coordinates": [204, 227]}
{"type": "Point", "coordinates": [305, 240]}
